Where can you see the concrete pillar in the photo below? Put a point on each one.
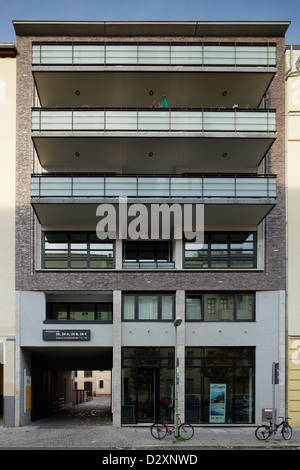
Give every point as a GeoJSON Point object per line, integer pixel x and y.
{"type": "Point", "coordinates": [118, 253]}
{"type": "Point", "coordinates": [117, 369]}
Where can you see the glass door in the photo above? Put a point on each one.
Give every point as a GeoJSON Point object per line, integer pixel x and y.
{"type": "Point", "coordinates": [147, 392]}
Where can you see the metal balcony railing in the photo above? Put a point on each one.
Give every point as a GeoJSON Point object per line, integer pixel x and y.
{"type": "Point", "coordinates": [145, 119]}
{"type": "Point", "coordinates": [147, 186]}
{"type": "Point", "coordinates": [172, 54]}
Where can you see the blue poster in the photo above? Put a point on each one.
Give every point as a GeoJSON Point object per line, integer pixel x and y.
{"type": "Point", "coordinates": [217, 406]}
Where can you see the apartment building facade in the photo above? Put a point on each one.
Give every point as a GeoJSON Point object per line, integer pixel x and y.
{"type": "Point", "coordinates": [119, 118]}
{"type": "Point", "coordinates": [293, 194]}
{"type": "Point", "coordinates": [7, 237]}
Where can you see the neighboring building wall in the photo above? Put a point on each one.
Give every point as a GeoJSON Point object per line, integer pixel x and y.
{"type": "Point", "coordinates": [293, 198]}
{"type": "Point", "coordinates": [97, 376]}
{"type": "Point", "coordinates": [7, 233]}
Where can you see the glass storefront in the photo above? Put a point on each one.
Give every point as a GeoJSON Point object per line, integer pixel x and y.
{"type": "Point", "coordinates": [219, 384]}
{"type": "Point", "coordinates": [147, 384]}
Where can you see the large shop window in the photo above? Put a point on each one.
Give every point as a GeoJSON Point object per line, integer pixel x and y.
{"type": "Point", "coordinates": [76, 250]}
{"type": "Point", "coordinates": [220, 306]}
{"type": "Point", "coordinates": [148, 307]}
{"type": "Point", "coordinates": [219, 385]}
{"type": "Point", "coordinates": [79, 312]}
{"type": "Point", "coordinates": [222, 250]}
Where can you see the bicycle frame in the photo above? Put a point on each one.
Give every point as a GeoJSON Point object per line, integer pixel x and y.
{"type": "Point", "coordinates": [171, 428]}
{"type": "Point", "coordinates": [160, 430]}
{"type": "Point", "coordinates": [277, 426]}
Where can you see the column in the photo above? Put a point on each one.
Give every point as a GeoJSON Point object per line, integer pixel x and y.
{"type": "Point", "coordinates": [117, 365]}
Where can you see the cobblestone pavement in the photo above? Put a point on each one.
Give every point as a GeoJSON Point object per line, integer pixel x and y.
{"type": "Point", "coordinates": [89, 426]}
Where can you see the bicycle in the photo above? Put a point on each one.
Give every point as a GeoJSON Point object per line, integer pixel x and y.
{"type": "Point", "coordinates": [264, 431]}
{"type": "Point", "coordinates": [160, 430]}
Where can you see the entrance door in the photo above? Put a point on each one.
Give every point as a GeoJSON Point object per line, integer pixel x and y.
{"type": "Point", "coordinates": [147, 394]}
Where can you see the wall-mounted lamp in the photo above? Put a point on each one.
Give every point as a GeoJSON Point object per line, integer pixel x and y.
{"type": "Point", "coordinates": [177, 321]}
{"type": "Point", "coordinates": [224, 93]}
{"type": "Point", "coordinates": [77, 154]}
{"type": "Point", "coordinates": [77, 92]}
{"type": "Point", "coordinates": [151, 92]}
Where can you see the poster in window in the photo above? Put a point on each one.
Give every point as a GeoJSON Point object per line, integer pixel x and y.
{"type": "Point", "coordinates": [217, 408]}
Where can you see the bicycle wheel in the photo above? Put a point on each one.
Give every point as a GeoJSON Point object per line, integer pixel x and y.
{"type": "Point", "coordinates": [286, 432]}
{"type": "Point", "coordinates": [186, 431]}
{"type": "Point", "coordinates": [262, 432]}
{"type": "Point", "coordinates": [159, 431]}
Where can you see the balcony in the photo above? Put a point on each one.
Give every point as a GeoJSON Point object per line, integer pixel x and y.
{"type": "Point", "coordinates": [191, 74]}
{"type": "Point", "coordinates": [239, 199]}
{"type": "Point", "coordinates": [164, 120]}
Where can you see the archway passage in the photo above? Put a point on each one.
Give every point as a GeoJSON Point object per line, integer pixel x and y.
{"type": "Point", "coordinates": [53, 385]}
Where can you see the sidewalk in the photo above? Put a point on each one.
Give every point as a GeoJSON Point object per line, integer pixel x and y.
{"type": "Point", "coordinates": [130, 438]}
{"type": "Point", "coordinates": [79, 429]}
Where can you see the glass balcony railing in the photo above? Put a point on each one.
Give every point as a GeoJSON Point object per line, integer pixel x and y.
{"type": "Point", "coordinates": [192, 54]}
{"type": "Point", "coordinates": [203, 186]}
{"type": "Point", "coordinates": [148, 265]}
{"type": "Point", "coordinates": [162, 119]}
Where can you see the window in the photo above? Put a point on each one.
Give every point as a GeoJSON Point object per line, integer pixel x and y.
{"type": "Point", "coordinates": [220, 307]}
{"type": "Point", "coordinates": [148, 307]}
{"type": "Point", "coordinates": [222, 250]}
{"type": "Point", "coordinates": [79, 311]}
{"type": "Point", "coordinates": [147, 251]}
{"type": "Point", "coordinates": [234, 368]}
{"type": "Point", "coordinates": [76, 250]}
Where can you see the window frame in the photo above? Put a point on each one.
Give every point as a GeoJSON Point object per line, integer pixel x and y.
{"type": "Point", "coordinates": [68, 307]}
{"type": "Point", "coordinates": [228, 258]}
{"type": "Point", "coordinates": [235, 294]}
{"type": "Point", "coordinates": [69, 257]}
{"type": "Point", "coordinates": [159, 295]}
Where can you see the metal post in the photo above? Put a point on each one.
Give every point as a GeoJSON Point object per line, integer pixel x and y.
{"type": "Point", "coordinates": [175, 387]}
{"type": "Point", "coordinates": [273, 402]}
{"type": "Point", "coordinates": [275, 380]}
{"type": "Point", "coordinates": [177, 322]}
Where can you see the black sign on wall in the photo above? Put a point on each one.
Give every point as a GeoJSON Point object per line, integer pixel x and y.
{"type": "Point", "coordinates": [66, 335]}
